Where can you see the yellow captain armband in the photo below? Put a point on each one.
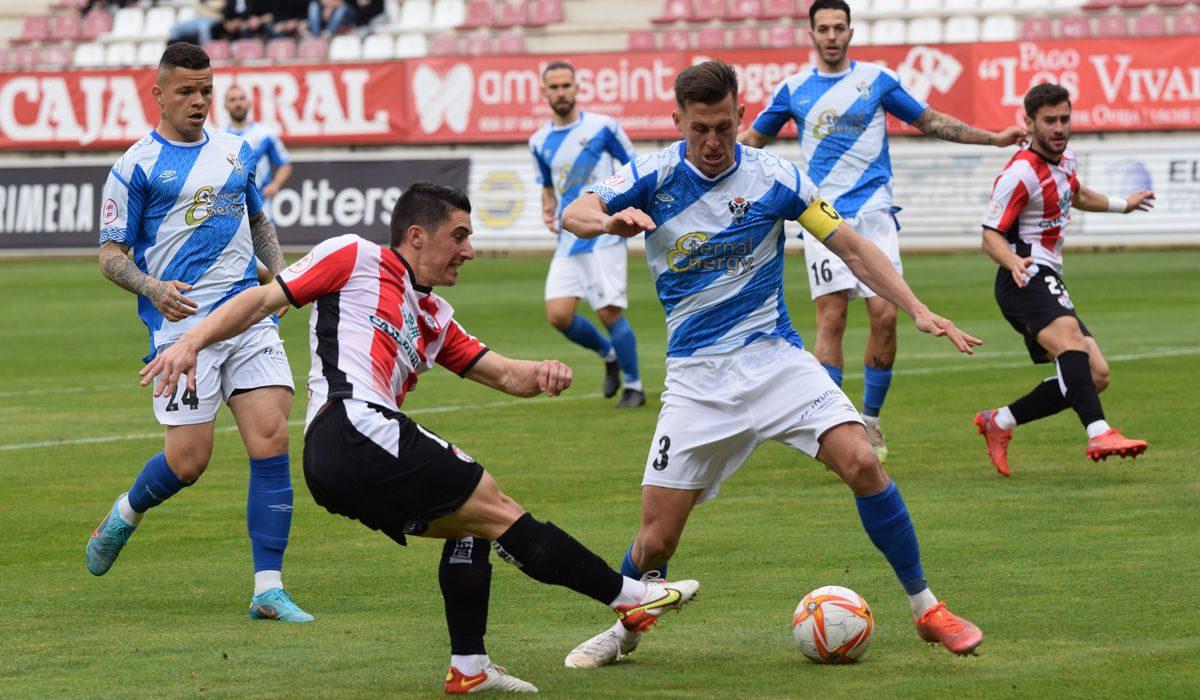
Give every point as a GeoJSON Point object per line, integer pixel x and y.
{"type": "Point", "coordinates": [820, 219]}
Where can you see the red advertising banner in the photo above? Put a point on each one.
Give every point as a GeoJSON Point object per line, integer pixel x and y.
{"type": "Point", "coordinates": [1117, 85]}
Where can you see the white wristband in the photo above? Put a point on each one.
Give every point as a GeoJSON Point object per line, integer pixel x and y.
{"type": "Point", "coordinates": [1117, 205]}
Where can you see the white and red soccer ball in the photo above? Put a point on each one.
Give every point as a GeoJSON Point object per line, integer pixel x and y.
{"type": "Point", "coordinates": [833, 625]}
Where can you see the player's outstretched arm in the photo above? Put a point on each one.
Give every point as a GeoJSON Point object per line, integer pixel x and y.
{"type": "Point", "coordinates": [235, 316]}
{"type": "Point", "coordinates": [754, 138]}
{"type": "Point", "coordinates": [869, 264]}
{"type": "Point", "coordinates": [588, 217]}
{"type": "Point", "coordinates": [167, 297]}
{"type": "Point", "coordinates": [948, 128]}
{"type": "Point", "coordinates": [997, 249]}
{"type": "Point", "coordinates": [522, 378]}
{"type": "Point", "coordinates": [1091, 200]}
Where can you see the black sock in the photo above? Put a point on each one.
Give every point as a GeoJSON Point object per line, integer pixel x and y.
{"type": "Point", "coordinates": [547, 554]}
{"type": "Point", "coordinates": [1081, 394]}
{"type": "Point", "coordinates": [465, 575]}
{"type": "Point", "coordinates": [1045, 400]}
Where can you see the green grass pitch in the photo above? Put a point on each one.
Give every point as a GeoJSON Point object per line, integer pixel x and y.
{"type": "Point", "coordinates": [1084, 577]}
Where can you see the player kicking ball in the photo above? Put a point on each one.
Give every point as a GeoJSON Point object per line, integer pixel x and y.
{"type": "Point", "coordinates": [1023, 232]}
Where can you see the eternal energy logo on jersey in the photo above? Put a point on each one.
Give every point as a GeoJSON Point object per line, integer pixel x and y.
{"type": "Point", "coordinates": [208, 203]}
{"type": "Point", "coordinates": [694, 253]}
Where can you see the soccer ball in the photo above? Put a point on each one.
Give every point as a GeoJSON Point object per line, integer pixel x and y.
{"type": "Point", "coordinates": [833, 625]}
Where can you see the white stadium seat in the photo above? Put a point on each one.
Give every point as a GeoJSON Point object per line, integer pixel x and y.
{"type": "Point", "coordinates": [412, 45]}
{"type": "Point", "coordinates": [159, 21]}
{"type": "Point", "coordinates": [378, 47]}
{"type": "Point", "coordinates": [887, 8]}
{"type": "Point", "coordinates": [961, 30]}
{"type": "Point", "coordinates": [89, 55]}
{"type": "Point", "coordinates": [888, 32]}
{"type": "Point", "coordinates": [862, 32]}
{"type": "Point", "coordinates": [925, 30]}
{"type": "Point", "coordinates": [127, 24]}
{"type": "Point", "coordinates": [345, 47]}
{"type": "Point", "coordinates": [149, 53]}
{"type": "Point", "coordinates": [448, 14]}
{"type": "Point", "coordinates": [999, 28]}
{"type": "Point", "coordinates": [923, 8]}
{"type": "Point", "coordinates": [415, 15]}
{"type": "Point", "coordinates": [120, 54]}
{"type": "Point", "coordinates": [960, 7]}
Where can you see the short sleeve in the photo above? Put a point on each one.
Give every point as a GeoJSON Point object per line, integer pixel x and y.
{"type": "Point", "coordinates": [899, 102]}
{"type": "Point", "coordinates": [628, 187]}
{"type": "Point", "coordinates": [541, 167]}
{"type": "Point", "coordinates": [324, 270]}
{"type": "Point", "coordinates": [1009, 197]}
{"type": "Point", "coordinates": [121, 205]}
{"type": "Point", "coordinates": [772, 119]}
{"type": "Point", "coordinates": [460, 350]}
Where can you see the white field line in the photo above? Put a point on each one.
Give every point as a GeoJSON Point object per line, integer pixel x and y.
{"type": "Point", "coordinates": [966, 365]}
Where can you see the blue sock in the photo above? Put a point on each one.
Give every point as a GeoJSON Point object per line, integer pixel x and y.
{"type": "Point", "coordinates": [875, 389]}
{"type": "Point", "coordinates": [154, 485]}
{"type": "Point", "coordinates": [885, 518]}
{"type": "Point", "coordinates": [835, 373]}
{"type": "Point", "coordinates": [625, 343]}
{"type": "Point", "coordinates": [628, 568]}
{"type": "Point", "coordinates": [269, 510]}
{"type": "Point", "coordinates": [584, 332]}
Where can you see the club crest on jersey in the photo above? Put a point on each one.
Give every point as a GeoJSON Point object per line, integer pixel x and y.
{"type": "Point", "coordinates": [235, 162]}
{"type": "Point", "coordinates": [460, 454]}
{"type": "Point", "coordinates": [738, 207]}
{"type": "Point", "coordinates": [994, 209]}
{"type": "Point", "coordinates": [864, 90]}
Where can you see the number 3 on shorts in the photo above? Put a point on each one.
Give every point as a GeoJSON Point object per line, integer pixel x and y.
{"type": "Point", "coordinates": [660, 463]}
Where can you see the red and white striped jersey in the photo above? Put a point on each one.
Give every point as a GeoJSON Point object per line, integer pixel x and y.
{"type": "Point", "coordinates": [1031, 205]}
{"type": "Point", "coordinates": [373, 329]}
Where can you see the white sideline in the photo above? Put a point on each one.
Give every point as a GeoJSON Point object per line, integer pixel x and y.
{"type": "Point", "coordinates": [965, 367]}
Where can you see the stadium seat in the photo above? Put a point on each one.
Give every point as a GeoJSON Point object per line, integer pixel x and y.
{"type": "Point", "coordinates": [88, 55]}
{"type": "Point", "coordinates": [281, 50]}
{"type": "Point", "coordinates": [1111, 26]}
{"type": "Point", "coordinates": [511, 13]}
{"type": "Point", "coordinates": [642, 40]}
{"type": "Point", "coordinates": [1037, 29]}
{"type": "Point", "coordinates": [886, 9]}
{"type": "Point", "coordinates": [127, 24]}
{"type": "Point", "coordinates": [66, 26]}
{"type": "Point", "coordinates": [1133, 4]}
{"type": "Point", "coordinates": [1060, 6]}
{"type": "Point", "coordinates": [119, 54]}
{"type": "Point", "coordinates": [412, 45]}
{"type": "Point", "coordinates": [1185, 23]}
{"type": "Point", "coordinates": [159, 21]}
{"type": "Point", "coordinates": [923, 9]}
{"type": "Point", "coordinates": [478, 14]}
{"type": "Point", "coordinates": [1149, 24]}
{"type": "Point", "coordinates": [24, 57]}
{"type": "Point", "coordinates": [378, 47]}
{"type": "Point", "coordinates": [781, 36]}
{"type": "Point", "coordinates": [35, 28]}
{"type": "Point", "coordinates": [960, 7]}
{"type": "Point", "coordinates": [780, 9]}
{"type": "Point", "coordinates": [345, 47]}
{"type": "Point", "coordinates": [478, 45]}
{"type": "Point", "coordinates": [415, 15]}
{"type": "Point", "coordinates": [708, 10]}
{"type": "Point", "coordinates": [887, 32]}
{"type": "Point", "coordinates": [1074, 27]}
{"type": "Point", "coordinates": [149, 53]}
{"type": "Point", "coordinates": [862, 33]}
{"type": "Point", "coordinates": [674, 11]}
{"type": "Point", "coordinates": [55, 57]}
{"type": "Point", "coordinates": [1097, 5]}
{"type": "Point", "coordinates": [75, 5]}
{"type": "Point", "coordinates": [1021, 8]}
{"type": "Point", "coordinates": [313, 48]}
{"type": "Point", "coordinates": [710, 39]}
{"type": "Point", "coordinates": [447, 14]}
{"type": "Point", "coordinates": [545, 12]}
{"type": "Point", "coordinates": [218, 50]}
{"type": "Point", "coordinates": [444, 45]}
{"type": "Point", "coordinates": [961, 30]}
{"type": "Point", "coordinates": [745, 38]}
{"type": "Point", "coordinates": [96, 22]}
{"type": "Point", "coordinates": [1170, 3]}
{"type": "Point", "coordinates": [924, 30]}
{"type": "Point", "coordinates": [676, 40]}
{"type": "Point", "coordinates": [744, 9]}
{"type": "Point", "coordinates": [511, 43]}
{"type": "Point", "coordinates": [998, 28]}
{"type": "Point", "coordinates": [244, 50]}
{"type": "Point", "coordinates": [991, 7]}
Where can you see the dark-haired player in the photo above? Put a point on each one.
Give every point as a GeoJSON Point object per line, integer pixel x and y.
{"type": "Point", "coordinates": [1023, 232]}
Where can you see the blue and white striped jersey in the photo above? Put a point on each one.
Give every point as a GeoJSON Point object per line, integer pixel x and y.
{"type": "Point", "coordinates": [569, 158]}
{"type": "Point", "coordinates": [843, 130]}
{"type": "Point", "coordinates": [182, 208]}
{"type": "Point", "coordinates": [269, 152]}
{"type": "Point", "coordinates": [717, 254]}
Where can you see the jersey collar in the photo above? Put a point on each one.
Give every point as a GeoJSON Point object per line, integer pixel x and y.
{"type": "Point", "coordinates": [842, 74]}
{"type": "Point", "coordinates": [567, 127]}
{"type": "Point", "coordinates": [180, 144]}
{"type": "Point", "coordinates": [710, 181]}
{"type": "Point", "coordinates": [408, 268]}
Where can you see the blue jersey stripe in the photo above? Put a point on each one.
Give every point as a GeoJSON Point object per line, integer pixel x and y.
{"type": "Point", "coordinates": [850, 127]}
{"type": "Point", "coordinates": [877, 175]}
{"type": "Point", "coordinates": [208, 240]}
{"type": "Point", "coordinates": [706, 327]}
{"type": "Point", "coordinates": [162, 195]}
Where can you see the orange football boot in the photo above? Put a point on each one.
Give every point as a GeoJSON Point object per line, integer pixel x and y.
{"type": "Point", "coordinates": [997, 439]}
{"type": "Point", "coordinates": [1112, 443]}
{"type": "Point", "coordinates": [939, 625]}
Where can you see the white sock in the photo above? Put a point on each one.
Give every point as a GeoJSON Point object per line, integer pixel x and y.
{"type": "Point", "coordinates": [265, 580]}
{"type": "Point", "coordinates": [1097, 428]}
{"type": "Point", "coordinates": [871, 420]}
{"type": "Point", "coordinates": [632, 592]}
{"type": "Point", "coordinates": [127, 513]}
{"type": "Point", "coordinates": [921, 602]}
{"type": "Point", "coordinates": [469, 664]}
{"type": "Point", "coordinates": [611, 356]}
{"type": "Point", "coordinates": [1004, 419]}
{"type": "Point", "coordinates": [635, 386]}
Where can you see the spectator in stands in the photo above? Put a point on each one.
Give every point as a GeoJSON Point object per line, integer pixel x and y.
{"type": "Point", "coordinates": [370, 12]}
{"type": "Point", "coordinates": [329, 16]}
{"type": "Point", "coordinates": [108, 4]}
{"type": "Point", "coordinates": [291, 17]}
{"type": "Point", "coordinates": [240, 19]}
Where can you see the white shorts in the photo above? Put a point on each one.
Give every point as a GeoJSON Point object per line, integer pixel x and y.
{"type": "Point", "coordinates": [598, 277]}
{"type": "Point", "coordinates": [826, 271]}
{"type": "Point", "coordinates": [717, 409]}
{"type": "Point", "coordinates": [251, 360]}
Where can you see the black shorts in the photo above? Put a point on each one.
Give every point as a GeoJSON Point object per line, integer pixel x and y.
{"type": "Point", "coordinates": [1033, 307]}
{"type": "Point", "coordinates": [349, 472]}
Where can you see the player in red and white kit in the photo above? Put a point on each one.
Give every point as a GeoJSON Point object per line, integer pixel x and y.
{"type": "Point", "coordinates": [1023, 232]}
{"type": "Point", "coordinates": [376, 325]}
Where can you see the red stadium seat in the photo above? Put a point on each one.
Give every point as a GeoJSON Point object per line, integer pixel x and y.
{"type": "Point", "coordinates": [1149, 23]}
{"type": "Point", "coordinates": [1133, 4]}
{"type": "Point", "coordinates": [643, 40]}
{"type": "Point", "coordinates": [779, 9]}
{"type": "Point", "coordinates": [511, 43]}
{"type": "Point", "coordinates": [1074, 27]}
{"type": "Point", "coordinates": [707, 10]}
{"type": "Point", "coordinates": [1036, 29]}
{"type": "Point", "coordinates": [1170, 3]}
{"type": "Point", "coordinates": [744, 9]}
{"type": "Point", "coordinates": [479, 14]}
{"type": "Point", "coordinates": [248, 50]}
{"type": "Point", "coordinates": [710, 39]}
{"type": "Point", "coordinates": [745, 38]}
{"type": "Point", "coordinates": [512, 13]}
{"type": "Point", "coordinates": [478, 45]}
{"type": "Point", "coordinates": [1098, 5]}
{"type": "Point", "coordinates": [56, 57]}
{"type": "Point", "coordinates": [1111, 26]}
{"type": "Point", "coordinates": [674, 11]}
{"type": "Point", "coordinates": [1185, 23]}
{"type": "Point", "coordinates": [444, 45]}
{"type": "Point", "coordinates": [546, 12]}
{"type": "Point", "coordinates": [66, 26]}
{"type": "Point", "coordinates": [281, 50]}
{"type": "Point", "coordinates": [218, 50]}
{"type": "Point", "coordinates": [36, 28]}
{"type": "Point", "coordinates": [312, 48]}
{"type": "Point", "coordinates": [781, 36]}
{"type": "Point", "coordinates": [25, 57]}
{"type": "Point", "coordinates": [96, 22]}
{"type": "Point", "coordinates": [676, 40]}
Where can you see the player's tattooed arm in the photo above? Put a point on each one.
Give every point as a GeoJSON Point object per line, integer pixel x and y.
{"type": "Point", "coordinates": [948, 128]}
{"type": "Point", "coordinates": [167, 297]}
{"type": "Point", "coordinates": [266, 242]}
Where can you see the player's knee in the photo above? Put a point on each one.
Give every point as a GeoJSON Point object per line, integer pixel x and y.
{"type": "Point", "coordinates": [861, 470]}
{"type": "Point", "coordinates": [1101, 378]}
{"type": "Point", "coordinates": [656, 548]}
{"type": "Point", "coordinates": [558, 319]}
{"type": "Point", "coordinates": [188, 468]}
